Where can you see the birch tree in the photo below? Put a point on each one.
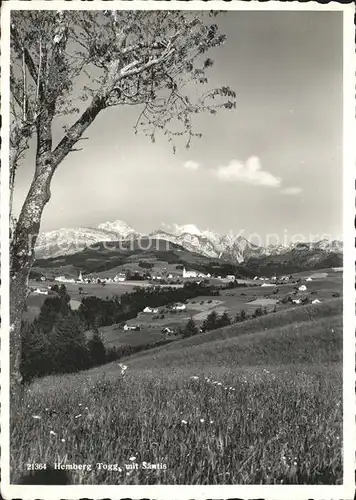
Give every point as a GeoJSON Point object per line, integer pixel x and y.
{"type": "Point", "coordinates": [150, 60]}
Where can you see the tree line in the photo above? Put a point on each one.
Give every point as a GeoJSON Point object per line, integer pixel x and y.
{"type": "Point", "coordinates": [214, 321]}
{"type": "Point", "coordinates": [55, 342]}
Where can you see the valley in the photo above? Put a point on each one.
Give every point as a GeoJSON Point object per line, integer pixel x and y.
{"type": "Point", "coordinates": [262, 381]}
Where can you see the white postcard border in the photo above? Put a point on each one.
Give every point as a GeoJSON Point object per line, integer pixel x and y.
{"type": "Point", "coordinates": [182, 492]}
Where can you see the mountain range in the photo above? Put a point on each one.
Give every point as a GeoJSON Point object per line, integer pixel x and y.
{"type": "Point", "coordinates": [229, 247]}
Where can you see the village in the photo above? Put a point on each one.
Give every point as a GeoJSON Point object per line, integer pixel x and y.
{"type": "Point", "coordinates": [235, 295]}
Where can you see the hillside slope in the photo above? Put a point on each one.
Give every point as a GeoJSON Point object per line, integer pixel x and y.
{"type": "Point", "coordinates": [264, 324]}
{"type": "Point", "coordinates": [306, 342]}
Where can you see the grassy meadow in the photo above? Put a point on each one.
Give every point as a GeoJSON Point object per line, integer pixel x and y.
{"type": "Point", "coordinates": [252, 403]}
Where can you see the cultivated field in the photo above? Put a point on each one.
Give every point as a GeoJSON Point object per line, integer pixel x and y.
{"type": "Point", "coordinates": [256, 402]}
{"type": "Point", "coordinates": [232, 301]}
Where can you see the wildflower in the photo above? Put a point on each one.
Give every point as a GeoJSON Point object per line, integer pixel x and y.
{"type": "Point", "coordinates": [202, 420]}
{"type": "Point", "coordinates": [53, 433]}
{"type": "Point", "coordinates": [211, 421]}
{"type": "Point", "coordinates": [119, 469]}
{"type": "Point", "coordinates": [194, 377]}
{"type": "Point", "coordinates": [77, 416]}
{"type": "Point", "coordinates": [219, 383]}
{"type": "Point", "coordinates": [132, 459]}
{"type": "Point", "coordinates": [80, 404]}
{"type": "Point", "coordinates": [295, 463]}
{"type": "Point", "coordinates": [184, 422]}
{"type": "Point", "coordinates": [36, 417]}
{"type": "Point", "coordinates": [63, 440]}
{"type": "Point", "coordinates": [86, 408]}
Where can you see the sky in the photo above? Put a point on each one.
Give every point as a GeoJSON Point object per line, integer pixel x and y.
{"type": "Point", "coordinates": [273, 165]}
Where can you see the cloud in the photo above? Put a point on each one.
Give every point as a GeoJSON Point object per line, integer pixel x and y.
{"type": "Point", "coordinates": [250, 173]}
{"type": "Point", "coordinates": [191, 165]}
{"type": "Point", "coordinates": [292, 191]}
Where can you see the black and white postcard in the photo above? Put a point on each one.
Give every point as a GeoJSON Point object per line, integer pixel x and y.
{"type": "Point", "coordinates": [177, 254]}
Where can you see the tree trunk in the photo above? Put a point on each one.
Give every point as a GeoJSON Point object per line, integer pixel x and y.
{"type": "Point", "coordinates": [22, 258]}
{"type": "Point", "coordinates": [24, 239]}
{"type": "Point", "coordinates": [28, 226]}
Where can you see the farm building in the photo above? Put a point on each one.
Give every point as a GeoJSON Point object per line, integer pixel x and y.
{"type": "Point", "coordinates": [231, 277]}
{"type": "Point", "coordinates": [296, 301]}
{"type": "Point", "coordinates": [150, 310]}
{"type": "Point", "coordinates": [131, 327]}
{"type": "Point", "coordinates": [338, 269]}
{"type": "Point", "coordinates": [302, 288]}
{"type": "Point", "coordinates": [268, 284]}
{"type": "Point", "coordinates": [309, 279]}
{"type": "Point", "coordinates": [119, 278]}
{"type": "Point", "coordinates": [168, 331]}
{"type": "Point", "coordinates": [189, 274]}
{"type": "Point", "coordinates": [38, 291]}
{"type": "Point", "coordinates": [316, 301]}
{"type": "Point", "coordinates": [179, 307]}
{"type": "Point", "coordinates": [63, 279]}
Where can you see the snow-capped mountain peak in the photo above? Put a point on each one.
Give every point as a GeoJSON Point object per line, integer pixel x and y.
{"type": "Point", "coordinates": [231, 246]}
{"type": "Point", "coordinates": [119, 227]}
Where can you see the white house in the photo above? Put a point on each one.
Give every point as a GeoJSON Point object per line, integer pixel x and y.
{"type": "Point", "coordinates": [63, 279]}
{"type": "Point", "coordinates": [150, 310]}
{"type": "Point", "coordinates": [302, 288]}
{"type": "Point", "coordinates": [309, 279]}
{"type": "Point", "coordinates": [129, 327]}
{"type": "Point", "coordinates": [316, 301]}
{"type": "Point", "coordinates": [120, 277]}
{"type": "Point", "coordinates": [296, 301]}
{"type": "Point", "coordinates": [189, 274]}
{"type": "Point", "coordinates": [231, 277]}
{"type": "Point", "coordinates": [179, 307]}
{"type": "Point", "coordinates": [170, 276]}
{"type": "Point", "coordinates": [167, 331]}
{"type": "Point", "coordinates": [268, 284]}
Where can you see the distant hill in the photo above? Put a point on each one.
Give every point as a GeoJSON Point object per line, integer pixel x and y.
{"type": "Point", "coordinates": [300, 258]}
{"type": "Point", "coordinates": [111, 257]}
{"type": "Point", "coordinates": [108, 258]}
